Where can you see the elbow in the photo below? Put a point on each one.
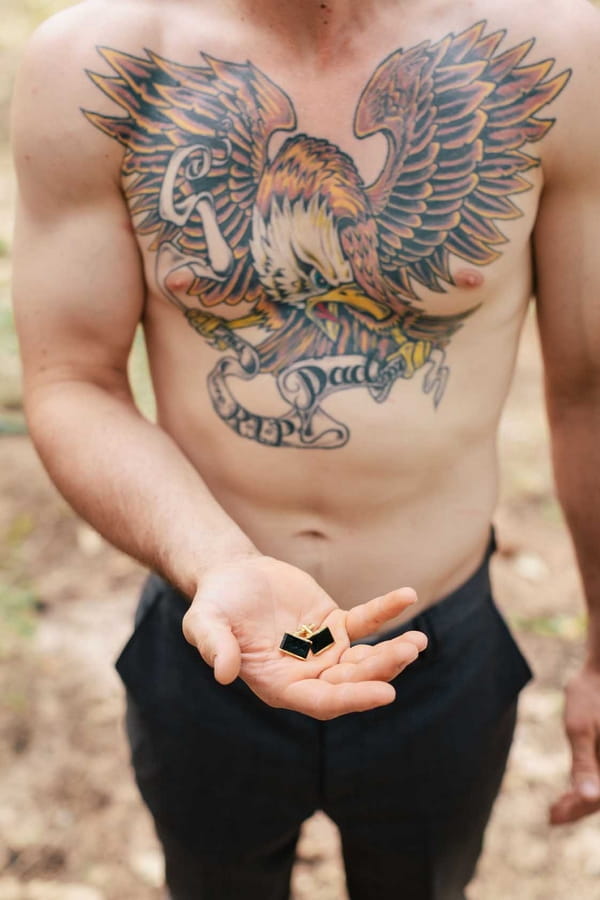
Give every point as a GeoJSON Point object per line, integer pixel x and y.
{"type": "Point", "coordinates": [59, 406]}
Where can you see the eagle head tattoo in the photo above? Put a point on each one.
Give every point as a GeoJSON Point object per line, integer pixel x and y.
{"type": "Point", "coordinates": [323, 270]}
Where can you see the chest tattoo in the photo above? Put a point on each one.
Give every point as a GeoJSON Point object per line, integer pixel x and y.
{"type": "Point", "coordinates": [323, 273]}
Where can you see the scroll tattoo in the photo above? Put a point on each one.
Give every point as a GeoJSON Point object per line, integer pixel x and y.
{"type": "Point", "coordinates": [295, 248]}
{"type": "Point", "coordinates": [303, 385]}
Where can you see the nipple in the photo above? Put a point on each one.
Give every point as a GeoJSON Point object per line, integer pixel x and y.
{"type": "Point", "coordinates": [468, 279]}
{"type": "Point", "coordinates": [178, 281]}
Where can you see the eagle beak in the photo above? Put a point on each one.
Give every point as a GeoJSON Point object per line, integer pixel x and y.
{"type": "Point", "coordinates": [324, 309]}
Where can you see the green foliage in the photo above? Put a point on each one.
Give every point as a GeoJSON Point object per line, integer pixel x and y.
{"type": "Point", "coordinates": [562, 625]}
{"type": "Point", "coordinates": [18, 601]}
{"type": "Point", "coordinates": [19, 530]}
{"type": "Point", "coordinates": [8, 339]}
{"type": "Point", "coordinates": [18, 612]}
{"type": "Point", "coordinates": [139, 376]}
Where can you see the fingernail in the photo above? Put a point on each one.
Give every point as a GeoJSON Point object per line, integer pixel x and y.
{"type": "Point", "coordinates": [589, 788]}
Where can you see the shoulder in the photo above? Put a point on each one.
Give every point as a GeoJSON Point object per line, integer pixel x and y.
{"type": "Point", "coordinates": [65, 46]}
{"type": "Point", "coordinates": [53, 143]}
{"type": "Point", "coordinates": [567, 33]}
{"type": "Point", "coordinates": [564, 32]}
{"type": "Point", "coordinates": [570, 31]}
{"type": "Point", "coordinates": [83, 24]}
{"type": "Point", "coordinates": [560, 24]}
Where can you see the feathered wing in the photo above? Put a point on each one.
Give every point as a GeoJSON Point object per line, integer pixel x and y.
{"type": "Point", "coordinates": [456, 116]}
{"type": "Point", "coordinates": [230, 110]}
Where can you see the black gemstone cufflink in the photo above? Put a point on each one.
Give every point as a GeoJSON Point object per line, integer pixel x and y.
{"type": "Point", "coordinates": [306, 639]}
{"type": "Point", "coordinates": [294, 645]}
{"type": "Point", "coordinates": [321, 640]}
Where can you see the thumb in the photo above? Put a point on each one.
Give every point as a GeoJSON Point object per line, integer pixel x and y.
{"type": "Point", "coordinates": [214, 640]}
{"type": "Point", "coordinates": [584, 773]}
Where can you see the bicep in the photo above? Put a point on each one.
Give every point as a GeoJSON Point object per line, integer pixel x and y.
{"type": "Point", "coordinates": [567, 233]}
{"type": "Point", "coordinates": [77, 275]}
{"type": "Point", "coordinates": [78, 291]}
{"type": "Point", "coordinates": [567, 254]}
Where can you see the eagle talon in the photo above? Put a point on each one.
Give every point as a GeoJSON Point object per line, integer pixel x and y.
{"type": "Point", "coordinates": [212, 328]}
{"type": "Point", "coordinates": [411, 354]}
{"type": "Point", "coordinates": [436, 378]}
{"type": "Point", "coordinates": [387, 375]}
{"type": "Point", "coordinates": [393, 370]}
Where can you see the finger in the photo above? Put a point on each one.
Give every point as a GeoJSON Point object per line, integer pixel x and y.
{"type": "Point", "coordinates": [361, 651]}
{"type": "Point", "coordinates": [323, 701]}
{"type": "Point", "coordinates": [357, 652]}
{"type": "Point", "coordinates": [584, 771]}
{"type": "Point", "coordinates": [417, 638]}
{"type": "Point", "coordinates": [215, 642]}
{"type": "Point", "coordinates": [384, 663]}
{"type": "Point", "coordinates": [571, 807]}
{"type": "Point", "coordinates": [343, 673]}
{"type": "Point", "coordinates": [367, 618]}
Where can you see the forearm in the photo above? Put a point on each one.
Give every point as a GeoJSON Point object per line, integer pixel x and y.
{"type": "Point", "coordinates": [127, 478]}
{"type": "Point", "coordinates": [576, 437]}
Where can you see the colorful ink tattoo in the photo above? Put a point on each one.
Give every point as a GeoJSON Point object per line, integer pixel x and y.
{"type": "Point", "coordinates": [328, 270]}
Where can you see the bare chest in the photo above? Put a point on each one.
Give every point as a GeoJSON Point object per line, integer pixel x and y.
{"type": "Point", "coordinates": [336, 234]}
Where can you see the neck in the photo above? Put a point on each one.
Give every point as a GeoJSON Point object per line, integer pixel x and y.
{"type": "Point", "coordinates": [311, 22]}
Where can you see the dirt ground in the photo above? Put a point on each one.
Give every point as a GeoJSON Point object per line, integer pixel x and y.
{"type": "Point", "coordinates": [71, 824]}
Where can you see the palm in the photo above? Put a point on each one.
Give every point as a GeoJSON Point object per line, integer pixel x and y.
{"type": "Point", "coordinates": [242, 611]}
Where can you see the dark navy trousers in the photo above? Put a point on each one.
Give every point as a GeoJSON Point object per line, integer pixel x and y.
{"type": "Point", "coordinates": [229, 780]}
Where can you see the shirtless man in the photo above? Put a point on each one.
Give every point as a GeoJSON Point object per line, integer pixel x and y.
{"type": "Point", "coordinates": [329, 217]}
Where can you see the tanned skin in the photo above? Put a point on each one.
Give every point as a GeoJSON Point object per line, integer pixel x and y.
{"type": "Point", "coordinates": [329, 219]}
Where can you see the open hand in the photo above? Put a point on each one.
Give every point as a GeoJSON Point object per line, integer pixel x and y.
{"type": "Point", "coordinates": [241, 611]}
{"type": "Point", "coordinates": [582, 722]}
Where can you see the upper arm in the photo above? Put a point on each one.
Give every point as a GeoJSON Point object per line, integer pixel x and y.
{"type": "Point", "coordinates": [78, 283]}
{"type": "Point", "coordinates": [567, 233]}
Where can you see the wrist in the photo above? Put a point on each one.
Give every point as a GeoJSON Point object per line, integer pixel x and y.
{"type": "Point", "coordinates": [188, 578]}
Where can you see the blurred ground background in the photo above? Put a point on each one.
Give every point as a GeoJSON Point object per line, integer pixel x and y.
{"type": "Point", "coordinates": [71, 825]}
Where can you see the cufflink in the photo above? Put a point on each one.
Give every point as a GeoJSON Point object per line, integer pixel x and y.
{"type": "Point", "coordinates": [295, 645]}
{"type": "Point", "coordinates": [305, 639]}
{"type": "Point", "coordinates": [321, 640]}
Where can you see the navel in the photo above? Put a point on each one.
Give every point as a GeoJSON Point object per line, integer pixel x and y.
{"type": "Point", "coordinates": [313, 534]}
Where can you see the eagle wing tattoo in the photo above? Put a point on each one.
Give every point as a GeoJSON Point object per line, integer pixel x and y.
{"type": "Point", "coordinates": [196, 141]}
{"type": "Point", "coordinates": [456, 118]}
{"type": "Point", "coordinates": [325, 269]}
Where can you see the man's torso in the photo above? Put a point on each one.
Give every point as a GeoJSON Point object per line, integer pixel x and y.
{"type": "Point", "coordinates": [336, 243]}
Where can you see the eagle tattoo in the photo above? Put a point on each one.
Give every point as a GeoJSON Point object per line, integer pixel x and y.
{"type": "Point", "coordinates": [315, 274]}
